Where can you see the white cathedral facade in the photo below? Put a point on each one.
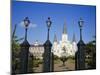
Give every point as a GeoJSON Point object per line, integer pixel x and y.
{"type": "Point", "coordinates": [59, 48]}
{"type": "Point", "coordinates": [64, 47]}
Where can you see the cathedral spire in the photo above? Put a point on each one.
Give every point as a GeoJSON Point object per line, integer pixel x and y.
{"type": "Point", "coordinates": [64, 29]}
{"type": "Point", "coordinates": [55, 38]}
{"type": "Point", "coordinates": [74, 38]}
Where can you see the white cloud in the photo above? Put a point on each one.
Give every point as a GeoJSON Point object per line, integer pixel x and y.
{"type": "Point", "coordinates": [31, 25]}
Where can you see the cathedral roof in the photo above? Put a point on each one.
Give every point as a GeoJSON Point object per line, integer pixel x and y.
{"type": "Point", "coordinates": [64, 29]}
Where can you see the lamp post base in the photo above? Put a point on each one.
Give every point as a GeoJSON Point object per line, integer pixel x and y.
{"type": "Point", "coordinates": [47, 57]}
{"type": "Point", "coordinates": [80, 56]}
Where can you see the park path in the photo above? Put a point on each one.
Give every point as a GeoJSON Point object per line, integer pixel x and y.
{"type": "Point", "coordinates": [69, 65]}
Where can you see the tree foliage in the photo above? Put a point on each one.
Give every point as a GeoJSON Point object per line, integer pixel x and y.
{"type": "Point", "coordinates": [91, 54]}
{"type": "Point", "coordinates": [15, 47]}
{"type": "Point", "coordinates": [15, 54]}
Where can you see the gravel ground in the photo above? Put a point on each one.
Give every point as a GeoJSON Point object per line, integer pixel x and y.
{"type": "Point", "coordinates": [69, 65]}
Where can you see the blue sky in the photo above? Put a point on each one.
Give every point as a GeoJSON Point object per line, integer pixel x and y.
{"type": "Point", "coordinates": [59, 13]}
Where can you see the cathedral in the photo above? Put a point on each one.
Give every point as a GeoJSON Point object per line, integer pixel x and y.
{"type": "Point", "coordinates": [59, 48]}
{"type": "Point", "coordinates": [64, 47]}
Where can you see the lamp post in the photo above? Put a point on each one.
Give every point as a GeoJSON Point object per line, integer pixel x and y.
{"type": "Point", "coordinates": [80, 54]}
{"type": "Point", "coordinates": [80, 22]}
{"type": "Point", "coordinates": [24, 49]}
{"type": "Point", "coordinates": [26, 23]}
{"type": "Point", "coordinates": [48, 22]}
{"type": "Point", "coordinates": [48, 55]}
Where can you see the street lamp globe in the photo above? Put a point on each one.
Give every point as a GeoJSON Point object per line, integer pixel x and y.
{"type": "Point", "coordinates": [26, 22]}
{"type": "Point", "coordinates": [48, 22]}
{"type": "Point", "coordinates": [81, 22]}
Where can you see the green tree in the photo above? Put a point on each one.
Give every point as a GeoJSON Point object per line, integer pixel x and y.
{"type": "Point", "coordinates": [64, 56]}
{"type": "Point", "coordinates": [91, 54]}
{"type": "Point", "coordinates": [15, 46]}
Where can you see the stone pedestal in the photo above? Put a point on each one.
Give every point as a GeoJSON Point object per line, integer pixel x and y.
{"type": "Point", "coordinates": [47, 57]}
{"type": "Point", "coordinates": [30, 63]}
{"type": "Point", "coordinates": [80, 56]}
{"type": "Point", "coordinates": [24, 57]}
